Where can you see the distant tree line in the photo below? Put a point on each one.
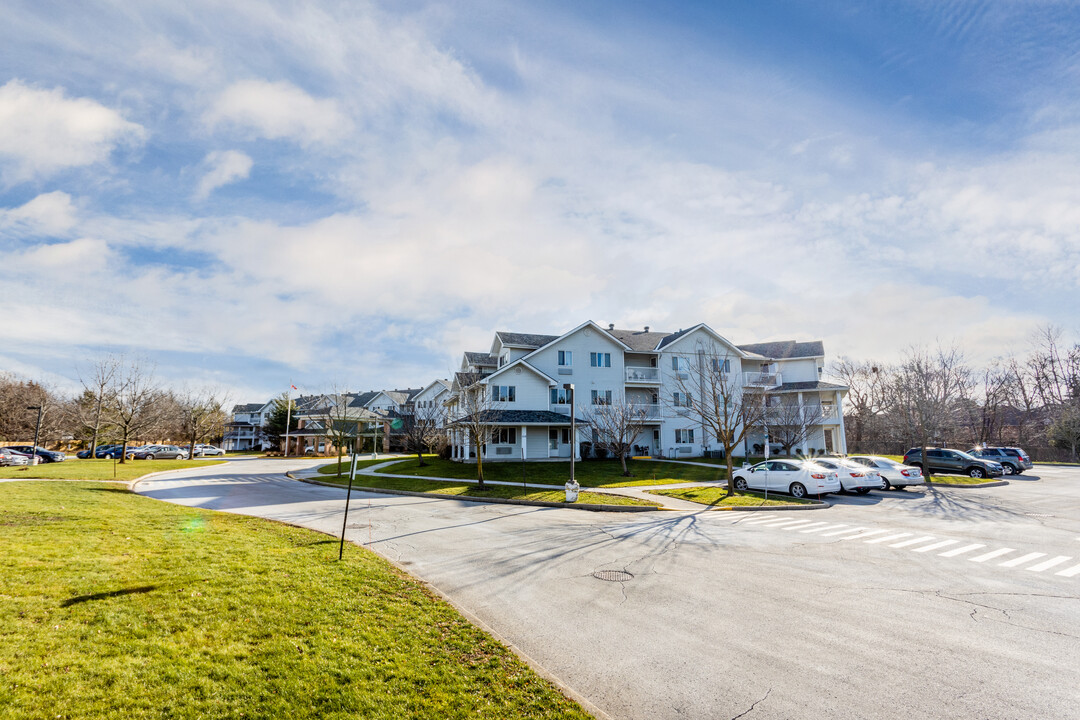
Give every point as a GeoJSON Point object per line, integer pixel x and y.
{"type": "Point", "coordinates": [121, 402]}
{"type": "Point", "coordinates": [934, 396]}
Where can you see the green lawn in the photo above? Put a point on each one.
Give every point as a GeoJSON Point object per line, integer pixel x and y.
{"type": "Point", "coordinates": [715, 497]}
{"type": "Point", "coordinates": [119, 606]}
{"type": "Point", "coordinates": [962, 480]}
{"type": "Point", "coordinates": [76, 469]}
{"type": "Point", "coordinates": [334, 469]}
{"type": "Point", "coordinates": [515, 492]}
{"type": "Point", "coordinates": [591, 473]}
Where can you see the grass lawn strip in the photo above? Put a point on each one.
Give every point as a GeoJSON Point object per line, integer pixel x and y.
{"type": "Point", "coordinates": [343, 470]}
{"type": "Point", "coordinates": [590, 473]}
{"type": "Point", "coordinates": [116, 605]}
{"type": "Point", "coordinates": [961, 480]}
{"type": "Point", "coordinates": [513, 492]}
{"type": "Point", "coordinates": [715, 497]}
{"type": "Point", "coordinates": [76, 469]}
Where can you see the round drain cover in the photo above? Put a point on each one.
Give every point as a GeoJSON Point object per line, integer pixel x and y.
{"type": "Point", "coordinates": [613, 575]}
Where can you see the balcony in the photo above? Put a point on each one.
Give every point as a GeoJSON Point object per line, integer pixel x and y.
{"type": "Point", "coordinates": [763, 380]}
{"type": "Point", "coordinates": [648, 375]}
{"type": "Point", "coordinates": [651, 410]}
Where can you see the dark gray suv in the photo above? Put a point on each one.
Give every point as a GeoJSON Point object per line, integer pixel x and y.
{"type": "Point", "coordinates": [1012, 459]}
{"type": "Point", "coordinates": [944, 460]}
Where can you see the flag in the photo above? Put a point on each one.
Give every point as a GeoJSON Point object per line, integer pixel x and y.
{"type": "Point", "coordinates": [294, 387]}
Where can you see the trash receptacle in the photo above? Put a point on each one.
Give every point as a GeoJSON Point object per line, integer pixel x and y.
{"type": "Point", "coordinates": [572, 488]}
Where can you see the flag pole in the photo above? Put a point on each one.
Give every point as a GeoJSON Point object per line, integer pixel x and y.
{"type": "Point", "coordinates": [288, 416]}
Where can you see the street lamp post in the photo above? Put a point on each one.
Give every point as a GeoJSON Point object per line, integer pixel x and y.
{"type": "Point", "coordinates": [37, 430]}
{"type": "Point", "coordinates": [572, 486]}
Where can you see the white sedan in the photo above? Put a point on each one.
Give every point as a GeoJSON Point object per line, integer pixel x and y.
{"type": "Point", "coordinates": [893, 474]}
{"type": "Point", "coordinates": [854, 477]}
{"type": "Point", "coordinates": [791, 476]}
{"type": "Point", "coordinates": [207, 450]}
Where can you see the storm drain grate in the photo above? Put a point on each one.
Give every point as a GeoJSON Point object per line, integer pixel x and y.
{"type": "Point", "coordinates": [613, 575]}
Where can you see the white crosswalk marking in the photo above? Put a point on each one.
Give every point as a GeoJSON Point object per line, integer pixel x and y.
{"type": "Point", "coordinates": [822, 529]}
{"type": "Point", "coordinates": [1021, 560]}
{"type": "Point", "coordinates": [916, 541]}
{"type": "Point", "coordinates": [935, 546]}
{"type": "Point", "coordinates": [842, 532]}
{"type": "Point", "coordinates": [861, 535]}
{"type": "Point", "coordinates": [887, 538]}
{"type": "Point", "coordinates": [991, 555]}
{"type": "Point", "coordinates": [767, 520]}
{"type": "Point", "coordinates": [800, 528]}
{"type": "Point", "coordinates": [1047, 564]}
{"type": "Point", "coordinates": [789, 522]}
{"type": "Point", "coordinates": [961, 550]}
{"type": "Point", "coordinates": [1069, 572]}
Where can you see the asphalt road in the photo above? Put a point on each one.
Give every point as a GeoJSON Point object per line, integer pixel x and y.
{"type": "Point", "coordinates": [925, 604]}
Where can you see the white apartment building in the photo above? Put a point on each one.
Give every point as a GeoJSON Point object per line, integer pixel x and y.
{"type": "Point", "coordinates": [245, 431]}
{"type": "Point", "coordinates": [525, 377]}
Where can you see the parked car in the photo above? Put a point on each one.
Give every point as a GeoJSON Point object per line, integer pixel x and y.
{"type": "Point", "coordinates": [105, 451]}
{"type": "Point", "coordinates": [152, 452]}
{"type": "Point", "coordinates": [893, 474]}
{"type": "Point", "coordinates": [946, 460]}
{"type": "Point", "coordinates": [853, 476]}
{"type": "Point", "coordinates": [1013, 460]}
{"type": "Point", "coordinates": [208, 450]}
{"type": "Point", "coordinates": [10, 457]}
{"type": "Point", "coordinates": [800, 478]}
{"type": "Point", "coordinates": [47, 456]}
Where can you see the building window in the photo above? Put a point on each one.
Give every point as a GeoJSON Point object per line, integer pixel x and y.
{"type": "Point", "coordinates": [601, 397]}
{"type": "Point", "coordinates": [566, 358]}
{"type": "Point", "coordinates": [598, 359]}
{"type": "Point", "coordinates": [504, 436]}
{"type": "Point", "coordinates": [678, 363]}
{"type": "Point", "coordinates": [503, 393]}
{"type": "Point", "coordinates": [560, 396]}
{"type": "Point", "coordinates": [681, 399]}
{"type": "Point", "coordinates": [684, 437]}
{"type": "Point", "coordinates": [721, 365]}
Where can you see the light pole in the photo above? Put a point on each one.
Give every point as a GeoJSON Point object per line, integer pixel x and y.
{"type": "Point", "coordinates": [572, 486]}
{"type": "Point", "coordinates": [37, 430]}
{"type": "Point", "coordinates": [288, 418]}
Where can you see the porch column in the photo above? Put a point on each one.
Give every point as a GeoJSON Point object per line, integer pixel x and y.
{"type": "Point", "coordinates": [842, 444]}
{"type": "Point", "coordinates": [802, 419]}
{"type": "Point", "coordinates": [524, 441]}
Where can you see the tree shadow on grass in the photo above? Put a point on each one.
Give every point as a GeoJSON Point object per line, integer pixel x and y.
{"type": "Point", "coordinates": [111, 490]}
{"type": "Point", "coordinates": [106, 595]}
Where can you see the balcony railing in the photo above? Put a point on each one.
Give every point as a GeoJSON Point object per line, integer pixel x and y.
{"type": "Point", "coordinates": [642, 374]}
{"type": "Point", "coordinates": [810, 413]}
{"type": "Point", "coordinates": [651, 410]}
{"type": "Point", "coordinates": [764, 380]}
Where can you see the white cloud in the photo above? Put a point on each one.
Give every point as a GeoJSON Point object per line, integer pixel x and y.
{"type": "Point", "coordinates": [278, 110]}
{"type": "Point", "coordinates": [49, 214]}
{"type": "Point", "coordinates": [224, 168]}
{"type": "Point", "coordinates": [43, 131]}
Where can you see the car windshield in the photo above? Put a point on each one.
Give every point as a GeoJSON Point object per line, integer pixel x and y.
{"type": "Point", "coordinates": [964, 455]}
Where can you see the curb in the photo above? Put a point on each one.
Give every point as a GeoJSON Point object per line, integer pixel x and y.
{"type": "Point", "coordinates": [498, 501]}
{"type": "Point", "coordinates": [996, 483]}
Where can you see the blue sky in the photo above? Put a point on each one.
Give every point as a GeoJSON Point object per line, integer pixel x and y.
{"type": "Point", "coordinates": [353, 194]}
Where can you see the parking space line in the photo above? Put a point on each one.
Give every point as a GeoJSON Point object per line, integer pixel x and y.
{"type": "Point", "coordinates": [827, 527]}
{"type": "Point", "coordinates": [861, 535]}
{"type": "Point", "coordinates": [961, 550]}
{"type": "Point", "coordinates": [935, 546]}
{"type": "Point", "coordinates": [991, 555]}
{"type": "Point", "coordinates": [916, 541]}
{"type": "Point", "coordinates": [1021, 560]}
{"type": "Point", "coordinates": [887, 538]}
{"type": "Point", "coordinates": [841, 532]}
{"type": "Point", "coordinates": [1047, 564]}
{"type": "Point", "coordinates": [1069, 572]}
{"type": "Point", "coordinates": [793, 527]}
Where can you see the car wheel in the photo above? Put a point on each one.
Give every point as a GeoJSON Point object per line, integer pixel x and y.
{"type": "Point", "coordinates": [740, 484]}
{"type": "Point", "coordinates": [885, 484]}
{"type": "Point", "coordinates": [179, 457]}
{"type": "Point", "coordinates": [976, 472]}
{"type": "Point", "coordinates": [1008, 469]}
{"type": "Point", "coordinates": [862, 491]}
{"type": "Point", "coordinates": [797, 490]}
{"type": "Point", "coordinates": [150, 456]}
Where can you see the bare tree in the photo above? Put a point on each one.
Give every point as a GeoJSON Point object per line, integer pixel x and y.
{"type": "Point", "coordinates": [202, 415]}
{"type": "Point", "coordinates": [926, 385]}
{"type": "Point", "coordinates": [1064, 433]}
{"type": "Point", "coordinates": [422, 428]}
{"type": "Point", "coordinates": [616, 426]}
{"type": "Point", "coordinates": [867, 396]}
{"type": "Point", "coordinates": [715, 396]}
{"type": "Point", "coordinates": [476, 415]}
{"type": "Point", "coordinates": [790, 423]}
{"type": "Point", "coordinates": [136, 401]}
{"type": "Point", "coordinates": [98, 382]}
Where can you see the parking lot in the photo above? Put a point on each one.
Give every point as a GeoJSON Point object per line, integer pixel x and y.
{"type": "Point", "coordinates": [917, 603]}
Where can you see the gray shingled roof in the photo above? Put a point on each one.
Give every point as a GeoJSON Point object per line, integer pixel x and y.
{"type": "Point", "coordinates": [525, 339]}
{"type": "Point", "coordinates": [675, 336]}
{"type": "Point", "coordinates": [361, 399]}
{"type": "Point", "coordinates": [467, 379]}
{"type": "Point", "coordinates": [525, 417]}
{"type": "Point", "coordinates": [248, 408]}
{"type": "Point", "coordinates": [402, 396]}
{"type": "Point", "coordinates": [481, 359]}
{"type": "Point", "coordinates": [639, 340]}
{"type": "Point", "coordinates": [808, 385]}
{"type": "Point", "coordinates": [786, 349]}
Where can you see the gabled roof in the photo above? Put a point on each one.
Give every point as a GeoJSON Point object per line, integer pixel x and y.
{"type": "Point", "coordinates": [248, 407]}
{"type": "Point", "coordinates": [481, 359]}
{"type": "Point", "coordinates": [786, 349]}
{"type": "Point", "coordinates": [440, 386]}
{"type": "Point", "coordinates": [401, 397]}
{"type": "Point", "coordinates": [520, 362]}
{"type": "Point", "coordinates": [464, 379]}
{"type": "Point", "coordinates": [524, 340]}
{"type": "Point", "coordinates": [361, 399]}
{"type": "Point", "coordinates": [676, 336]}
{"type": "Point", "coordinates": [638, 340]}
